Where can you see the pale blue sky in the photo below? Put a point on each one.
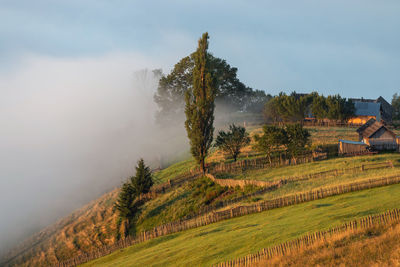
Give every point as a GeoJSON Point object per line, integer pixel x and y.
{"type": "Point", "coordinates": [346, 47]}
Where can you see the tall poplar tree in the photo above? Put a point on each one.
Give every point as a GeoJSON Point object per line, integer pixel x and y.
{"type": "Point", "coordinates": [200, 105]}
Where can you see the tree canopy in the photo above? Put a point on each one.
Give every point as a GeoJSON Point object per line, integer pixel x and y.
{"type": "Point", "coordinates": [272, 139]}
{"type": "Point", "coordinates": [292, 137]}
{"type": "Point", "coordinates": [230, 91]}
{"type": "Point", "coordinates": [233, 140]}
{"type": "Point", "coordinates": [297, 139]}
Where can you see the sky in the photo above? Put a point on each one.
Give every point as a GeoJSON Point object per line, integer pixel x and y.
{"type": "Point", "coordinates": [346, 47]}
{"type": "Point", "coordinates": [75, 113]}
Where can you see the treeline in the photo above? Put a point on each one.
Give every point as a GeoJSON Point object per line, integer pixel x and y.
{"type": "Point", "coordinates": [297, 107]}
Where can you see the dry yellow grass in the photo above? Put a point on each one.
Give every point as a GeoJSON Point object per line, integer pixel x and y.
{"type": "Point", "coordinates": [378, 246]}
{"type": "Point", "coordinates": [91, 226]}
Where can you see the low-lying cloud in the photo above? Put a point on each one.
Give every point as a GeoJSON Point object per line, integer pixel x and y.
{"type": "Point", "coordinates": [71, 129]}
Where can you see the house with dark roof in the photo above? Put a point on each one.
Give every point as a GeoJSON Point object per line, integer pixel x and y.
{"type": "Point", "coordinates": [373, 135]}
{"type": "Point", "coordinates": [366, 109]}
{"type": "Point", "coordinates": [376, 135]}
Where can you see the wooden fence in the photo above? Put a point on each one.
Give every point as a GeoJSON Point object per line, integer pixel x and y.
{"type": "Point", "coordinates": [386, 218]}
{"type": "Point", "coordinates": [213, 217]}
{"type": "Point", "coordinates": [257, 163]}
{"type": "Point", "coordinates": [263, 162]}
{"type": "Point", "coordinates": [278, 183]}
{"type": "Point", "coordinates": [330, 124]}
{"type": "Point", "coordinates": [243, 183]}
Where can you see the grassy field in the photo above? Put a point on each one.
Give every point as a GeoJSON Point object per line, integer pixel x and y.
{"type": "Point", "coordinates": [174, 170]}
{"type": "Point", "coordinates": [240, 236]}
{"type": "Point", "coordinates": [331, 135]}
{"type": "Point", "coordinates": [273, 174]}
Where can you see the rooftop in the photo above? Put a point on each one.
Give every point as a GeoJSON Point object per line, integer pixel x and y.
{"type": "Point", "coordinates": [352, 142]}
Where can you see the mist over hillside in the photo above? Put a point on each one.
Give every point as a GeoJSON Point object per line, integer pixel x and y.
{"type": "Point", "coordinates": [72, 130]}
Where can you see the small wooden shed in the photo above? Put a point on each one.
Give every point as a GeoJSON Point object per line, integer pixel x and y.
{"type": "Point", "coordinates": [351, 147]}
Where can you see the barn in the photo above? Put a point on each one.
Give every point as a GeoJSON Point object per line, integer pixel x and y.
{"type": "Point", "coordinates": [346, 147]}
{"type": "Point", "coordinates": [376, 135]}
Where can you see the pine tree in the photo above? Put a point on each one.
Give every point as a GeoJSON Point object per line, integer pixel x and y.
{"type": "Point", "coordinates": [125, 201]}
{"type": "Point", "coordinates": [200, 105]}
{"type": "Point", "coordinates": [139, 184]}
{"type": "Point", "coordinates": [142, 181]}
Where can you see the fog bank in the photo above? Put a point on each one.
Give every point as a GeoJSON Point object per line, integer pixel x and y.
{"type": "Point", "coordinates": [70, 131]}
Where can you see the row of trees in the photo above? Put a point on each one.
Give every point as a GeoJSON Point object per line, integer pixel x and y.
{"type": "Point", "coordinates": [296, 107]}
{"type": "Point", "coordinates": [291, 138]}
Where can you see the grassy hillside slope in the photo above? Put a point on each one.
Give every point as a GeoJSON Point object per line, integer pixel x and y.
{"type": "Point", "coordinates": [240, 236]}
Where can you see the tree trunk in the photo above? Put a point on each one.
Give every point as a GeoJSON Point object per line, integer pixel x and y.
{"type": "Point", "coordinates": [203, 166]}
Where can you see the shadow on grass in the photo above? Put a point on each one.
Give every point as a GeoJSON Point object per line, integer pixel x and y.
{"type": "Point", "coordinates": [209, 232]}
{"type": "Point", "coordinates": [170, 202]}
{"type": "Point", "coordinates": [316, 206]}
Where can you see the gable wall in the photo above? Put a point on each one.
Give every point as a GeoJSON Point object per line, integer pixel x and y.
{"type": "Point", "coordinates": [382, 133]}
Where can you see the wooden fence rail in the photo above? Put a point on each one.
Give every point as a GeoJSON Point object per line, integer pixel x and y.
{"type": "Point", "coordinates": [213, 217]}
{"type": "Point", "coordinates": [386, 218]}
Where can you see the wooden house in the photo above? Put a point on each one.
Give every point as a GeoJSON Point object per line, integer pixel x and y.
{"type": "Point", "coordinates": [376, 135]}
{"type": "Point", "coordinates": [366, 109]}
